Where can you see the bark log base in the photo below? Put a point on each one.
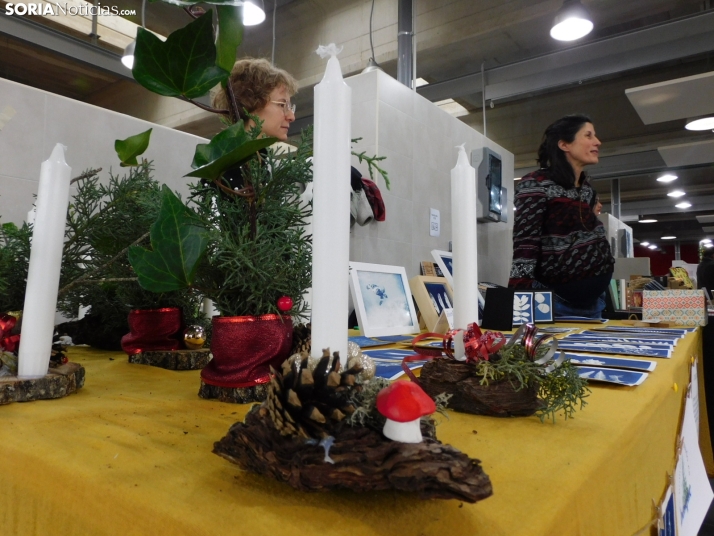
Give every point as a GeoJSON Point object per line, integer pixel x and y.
{"type": "Point", "coordinates": [173, 359]}
{"type": "Point", "coordinates": [364, 460]}
{"type": "Point", "coordinates": [234, 395]}
{"type": "Point", "coordinates": [497, 399]}
{"type": "Point", "coordinates": [57, 383]}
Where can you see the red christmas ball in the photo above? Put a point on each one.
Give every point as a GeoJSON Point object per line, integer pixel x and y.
{"type": "Point", "coordinates": [285, 303]}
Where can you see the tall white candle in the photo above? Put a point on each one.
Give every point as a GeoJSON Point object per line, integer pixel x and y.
{"type": "Point", "coordinates": [44, 270]}
{"type": "Point", "coordinates": [331, 210]}
{"type": "Point", "coordinates": [463, 223]}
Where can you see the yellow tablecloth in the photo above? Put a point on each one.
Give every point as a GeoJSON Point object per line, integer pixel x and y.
{"type": "Point", "coordinates": [130, 454]}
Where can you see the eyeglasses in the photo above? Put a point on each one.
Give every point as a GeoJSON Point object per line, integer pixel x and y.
{"type": "Point", "coordinates": [285, 105]}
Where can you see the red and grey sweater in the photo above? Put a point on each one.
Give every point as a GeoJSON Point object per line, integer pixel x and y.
{"type": "Point", "coordinates": [557, 238]}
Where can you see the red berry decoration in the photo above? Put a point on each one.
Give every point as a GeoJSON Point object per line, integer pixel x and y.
{"type": "Point", "coordinates": [285, 303]}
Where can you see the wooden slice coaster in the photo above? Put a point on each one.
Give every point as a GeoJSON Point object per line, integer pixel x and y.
{"type": "Point", "coordinates": [234, 395]}
{"type": "Point", "coordinates": [174, 359]}
{"type": "Point", "coordinates": [59, 382]}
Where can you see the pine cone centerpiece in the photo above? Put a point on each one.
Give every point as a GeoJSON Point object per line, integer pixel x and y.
{"type": "Point", "coordinates": [311, 404]}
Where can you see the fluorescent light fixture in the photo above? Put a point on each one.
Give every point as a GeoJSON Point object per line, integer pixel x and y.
{"type": "Point", "coordinates": [668, 237]}
{"type": "Point", "coordinates": [676, 193]}
{"type": "Point", "coordinates": [651, 246]}
{"type": "Point", "coordinates": [667, 178]}
{"type": "Point", "coordinates": [253, 12]}
{"type": "Point", "coordinates": [703, 123]}
{"type": "Point", "coordinates": [647, 220]}
{"type": "Point", "coordinates": [452, 107]}
{"type": "Point", "coordinates": [128, 58]}
{"type": "Point", "coordinates": [421, 82]}
{"type": "Point", "coordinates": [708, 245]}
{"type": "Point", "coordinates": [683, 204]}
{"type": "Point", "coordinates": [645, 244]}
{"type": "Point", "coordinates": [571, 22]}
{"type": "Point", "coordinates": [706, 240]}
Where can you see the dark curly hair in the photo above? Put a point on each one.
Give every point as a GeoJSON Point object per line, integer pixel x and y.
{"type": "Point", "coordinates": [252, 80]}
{"type": "Point", "coordinates": [550, 156]}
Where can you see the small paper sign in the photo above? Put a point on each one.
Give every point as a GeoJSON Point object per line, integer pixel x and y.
{"type": "Point", "coordinates": [445, 322]}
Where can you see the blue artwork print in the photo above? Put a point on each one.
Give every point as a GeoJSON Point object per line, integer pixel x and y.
{"type": "Point", "coordinates": [448, 262]}
{"type": "Point", "coordinates": [522, 308]}
{"type": "Point", "coordinates": [668, 528]}
{"type": "Point", "coordinates": [621, 377]}
{"type": "Point", "coordinates": [385, 299]}
{"type": "Point", "coordinates": [542, 306]}
{"type": "Point", "coordinates": [616, 348]}
{"type": "Point", "coordinates": [611, 362]}
{"type": "Point", "coordinates": [439, 297]}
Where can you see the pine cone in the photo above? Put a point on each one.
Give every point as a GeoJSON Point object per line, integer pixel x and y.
{"type": "Point", "coordinates": [311, 404]}
{"type": "Point", "coordinates": [302, 338]}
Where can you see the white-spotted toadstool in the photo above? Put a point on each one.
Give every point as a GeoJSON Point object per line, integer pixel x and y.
{"type": "Point", "coordinates": [403, 404]}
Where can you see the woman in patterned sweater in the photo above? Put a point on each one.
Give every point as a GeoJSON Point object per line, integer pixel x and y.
{"type": "Point", "coordinates": [558, 242]}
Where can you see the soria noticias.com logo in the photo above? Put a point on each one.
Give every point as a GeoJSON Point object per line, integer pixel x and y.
{"type": "Point", "coordinates": [57, 9]}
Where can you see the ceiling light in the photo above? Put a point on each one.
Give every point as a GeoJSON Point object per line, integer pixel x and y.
{"type": "Point", "coordinates": [667, 178]}
{"type": "Point", "coordinates": [372, 65]}
{"type": "Point", "coordinates": [571, 22]}
{"type": "Point", "coordinates": [683, 204]}
{"type": "Point", "coordinates": [128, 58]}
{"type": "Point", "coordinates": [668, 237]}
{"type": "Point", "coordinates": [651, 246]}
{"type": "Point", "coordinates": [647, 220]}
{"type": "Point", "coordinates": [708, 245]}
{"type": "Point", "coordinates": [645, 244]}
{"type": "Point", "coordinates": [707, 240]}
{"type": "Point", "coordinates": [253, 12]}
{"type": "Point", "coordinates": [703, 123]}
{"type": "Point", "coordinates": [421, 82]}
{"type": "Point", "coordinates": [676, 193]}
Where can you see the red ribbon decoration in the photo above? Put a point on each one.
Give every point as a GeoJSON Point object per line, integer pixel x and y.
{"type": "Point", "coordinates": [8, 342]}
{"type": "Point", "coordinates": [477, 344]}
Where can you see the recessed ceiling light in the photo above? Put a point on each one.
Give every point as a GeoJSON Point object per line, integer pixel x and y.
{"type": "Point", "coordinates": [669, 237]}
{"type": "Point", "coordinates": [676, 193]}
{"type": "Point", "coordinates": [571, 22]}
{"type": "Point", "coordinates": [644, 244]}
{"type": "Point", "coordinates": [683, 204]}
{"type": "Point", "coordinates": [652, 246]}
{"type": "Point", "coordinates": [704, 123]}
{"type": "Point", "coordinates": [647, 220]}
{"type": "Point", "coordinates": [667, 178]}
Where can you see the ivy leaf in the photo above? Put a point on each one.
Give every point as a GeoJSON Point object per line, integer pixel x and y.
{"type": "Point", "coordinates": [178, 241]}
{"type": "Point", "coordinates": [184, 65]}
{"type": "Point", "coordinates": [230, 35]}
{"type": "Point", "coordinates": [128, 149]}
{"type": "Point", "coordinates": [229, 148]}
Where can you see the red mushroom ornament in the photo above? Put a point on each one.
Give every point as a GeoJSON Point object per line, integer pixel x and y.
{"type": "Point", "coordinates": [403, 404]}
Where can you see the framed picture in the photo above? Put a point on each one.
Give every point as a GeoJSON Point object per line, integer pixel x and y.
{"type": "Point", "coordinates": [432, 295]}
{"type": "Point", "coordinates": [445, 260]}
{"type": "Point", "coordinates": [382, 299]}
{"type": "Point", "coordinates": [522, 307]}
{"type": "Point", "coordinates": [542, 306]}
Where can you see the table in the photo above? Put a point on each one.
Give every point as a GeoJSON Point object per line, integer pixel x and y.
{"type": "Point", "coordinates": [130, 454]}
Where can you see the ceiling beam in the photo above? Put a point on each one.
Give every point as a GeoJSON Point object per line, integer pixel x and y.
{"type": "Point", "coordinates": [35, 34]}
{"type": "Point", "coordinates": [606, 57]}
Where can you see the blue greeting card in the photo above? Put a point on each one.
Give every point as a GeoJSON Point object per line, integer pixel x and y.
{"type": "Point", "coordinates": [642, 365]}
{"type": "Point", "coordinates": [620, 377]}
{"type": "Point", "coordinates": [522, 308]}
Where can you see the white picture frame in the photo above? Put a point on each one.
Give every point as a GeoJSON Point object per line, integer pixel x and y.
{"type": "Point", "coordinates": [444, 260]}
{"type": "Point", "coordinates": [382, 299]}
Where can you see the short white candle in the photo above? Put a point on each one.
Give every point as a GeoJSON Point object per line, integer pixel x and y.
{"type": "Point", "coordinates": [331, 210]}
{"type": "Point", "coordinates": [463, 223]}
{"type": "Point", "coordinates": [45, 262]}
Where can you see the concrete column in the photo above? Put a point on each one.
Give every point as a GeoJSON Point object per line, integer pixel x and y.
{"type": "Point", "coordinates": [405, 38]}
{"type": "Point", "coordinates": [615, 198]}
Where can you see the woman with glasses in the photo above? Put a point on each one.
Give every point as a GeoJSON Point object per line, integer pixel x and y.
{"type": "Point", "coordinates": [558, 241]}
{"type": "Point", "coordinates": [264, 91]}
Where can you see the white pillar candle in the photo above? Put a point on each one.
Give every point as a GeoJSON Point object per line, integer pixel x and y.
{"type": "Point", "coordinates": [45, 263]}
{"type": "Point", "coordinates": [331, 210]}
{"type": "Point", "coordinates": [463, 224]}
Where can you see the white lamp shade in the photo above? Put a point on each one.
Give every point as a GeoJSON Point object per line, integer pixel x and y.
{"type": "Point", "coordinates": [253, 12]}
{"type": "Point", "coordinates": [571, 22]}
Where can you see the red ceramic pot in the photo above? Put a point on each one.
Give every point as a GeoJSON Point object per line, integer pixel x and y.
{"type": "Point", "coordinates": [153, 330]}
{"type": "Point", "coordinates": [245, 347]}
